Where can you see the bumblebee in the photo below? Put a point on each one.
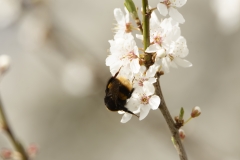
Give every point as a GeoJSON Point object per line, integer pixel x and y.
{"type": "Point", "coordinates": [118, 90]}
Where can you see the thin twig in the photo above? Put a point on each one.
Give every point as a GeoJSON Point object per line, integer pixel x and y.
{"type": "Point", "coordinates": [174, 131]}
{"type": "Point", "coordinates": [146, 32]}
{"type": "Point", "coordinates": [16, 144]}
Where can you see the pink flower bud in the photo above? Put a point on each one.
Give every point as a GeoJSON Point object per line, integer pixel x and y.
{"type": "Point", "coordinates": [181, 134]}
{"type": "Point", "coordinates": [6, 153]}
{"type": "Point", "coordinates": [196, 111]}
{"type": "Point", "coordinates": [32, 150]}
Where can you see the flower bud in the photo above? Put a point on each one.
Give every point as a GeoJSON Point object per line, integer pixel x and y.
{"type": "Point", "coordinates": [181, 134]}
{"type": "Point", "coordinates": [6, 154]}
{"type": "Point", "coordinates": [32, 150]}
{"type": "Point", "coordinates": [196, 111]}
{"type": "Point", "coordinates": [4, 63]}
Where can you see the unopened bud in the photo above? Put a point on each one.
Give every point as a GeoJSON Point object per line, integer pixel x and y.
{"type": "Point", "coordinates": [6, 154]}
{"type": "Point", "coordinates": [32, 150]}
{"type": "Point", "coordinates": [4, 63]}
{"type": "Point", "coordinates": [196, 111]}
{"type": "Point", "coordinates": [181, 134]}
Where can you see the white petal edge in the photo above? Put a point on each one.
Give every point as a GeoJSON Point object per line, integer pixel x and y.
{"type": "Point", "coordinates": [127, 15]}
{"type": "Point", "coordinates": [161, 52]}
{"type": "Point", "coordinates": [162, 8]}
{"type": "Point", "coordinates": [182, 62]}
{"type": "Point", "coordinates": [152, 71]}
{"type": "Point", "coordinates": [115, 67]}
{"type": "Point", "coordinates": [179, 3]}
{"type": "Point", "coordinates": [176, 15]}
{"type": "Point", "coordinates": [126, 117]}
{"type": "Point", "coordinates": [118, 14]}
{"type": "Point", "coordinates": [144, 111]}
{"type": "Point", "coordinates": [152, 80]}
{"type": "Point", "coordinates": [111, 59]}
{"type": "Point", "coordinates": [135, 66]}
{"type": "Point", "coordinates": [148, 88]}
{"type": "Point", "coordinates": [165, 65]}
{"type": "Point", "coordinates": [153, 48]}
{"type": "Point", "coordinates": [121, 112]}
{"type": "Point", "coordinates": [139, 36]}
{"type": "Point", "coordinates": [154, 102]}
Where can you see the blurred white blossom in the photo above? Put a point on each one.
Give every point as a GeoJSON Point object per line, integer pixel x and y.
{"type": "Point", "coordinates": [77, 78]}
{"type": "Point", "coordinates": [9, 12]}
{"type": "Point", "coordinates": [34, 30]}
{"type": "Point", "coordinates": [228, 15]}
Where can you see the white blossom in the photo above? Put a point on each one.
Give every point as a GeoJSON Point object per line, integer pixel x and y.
{"type": "Point", "coordinates": [168, 44]}
{"type": "Point", "coordinates": [144, 80]}
{"type": "Point", "coordinates": [169, 6]}
{"type": "Point", "coordinates": [123, 53]}
{"type": "Point", "coordinates": [9, 12]}
{"type": "Point", "coordinates": [142, 102]}
{"type": "Point", "coordinates": [123, 23]}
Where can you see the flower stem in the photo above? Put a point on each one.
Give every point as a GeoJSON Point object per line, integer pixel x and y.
{"type": "Point", "coordinates": [16, 144]}
{"type": "Point", "coordinates": [187, 120]}
{"type": "Point", "coordinates": [167, 116]}
{"type": "Point", "coordinates": [146, 32]}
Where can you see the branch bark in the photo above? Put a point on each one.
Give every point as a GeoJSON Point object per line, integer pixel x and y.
{"type": "Point", "coordinates": [14, 141]}
{"type": "Point", "coordinates": [171, 125]}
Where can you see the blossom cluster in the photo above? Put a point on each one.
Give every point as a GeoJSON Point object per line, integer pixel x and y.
{"type": "Point", "coordinates": [166, 44]}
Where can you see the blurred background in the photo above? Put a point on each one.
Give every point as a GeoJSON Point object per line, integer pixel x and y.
{"type": "Point", "coordinates": [53, 92]}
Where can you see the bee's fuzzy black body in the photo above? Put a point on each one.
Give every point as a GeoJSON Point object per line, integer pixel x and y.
{"type": "Point", "coordinates": [117, 92]}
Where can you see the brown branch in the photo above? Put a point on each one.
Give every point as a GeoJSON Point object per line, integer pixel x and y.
{"type": "Point", "coordinates": [16, 144]}
{"type": "Point", "coordinates": [174, 131]}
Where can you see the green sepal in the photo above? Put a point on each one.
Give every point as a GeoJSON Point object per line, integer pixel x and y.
{"type": "Point", "coordinates": [181, 114]}
{"type": "Point", "coordinates": [129, 4]}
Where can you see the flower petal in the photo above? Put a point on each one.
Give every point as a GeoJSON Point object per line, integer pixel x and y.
{"type": "Point", "coordinates": [173, 64]}
{"type": "Point", "coordinates": [115, 67]}
{"type": "Point", "coordinates": [182, 62]}
{"type": "Point", "coordinates": [162, 8]}
{"type": "Point", "coordinates": [154, 20]}
{"type": "Point", "coordinates": [148, 88]}
{"type": "Point", "coordinates": [154, 102]}
{"type": "Point", "coordinates": [111, 59]}
{"type": "Point", "coordinates": [161, 52]}
{"type": "Point", "coordinates": [152, 80]}
{"type": "Point", "coordinates": [153, 48]}
{"type": "Point", "coordinates": [165, 65]}
{"type": "Point", "coordinates": [135, 50]}
{"type": "Point", "coordinates": [127, 15]}
{"type": "Point", "coordinates": [152, 71]}
{"type": "Point", "coordinates": [126, 117]}
{"type": "Point", "coordinates": [121, 112]}
{"type": "Point", "coordinates": [176, 15]}
{"type": "Point", "coordinates": [134, 65]}
{"type": "Point", "coordinates": [118, 14]}
{"type": "Point", "coordinates": [139, 36]}
{"type": "Point", "coordinates": [144, 111]}
{"type": "Point", "coordinates": [178, 3]}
